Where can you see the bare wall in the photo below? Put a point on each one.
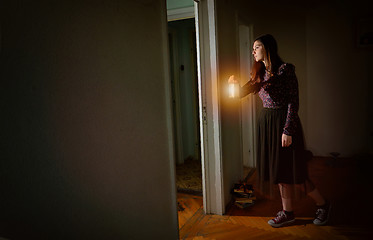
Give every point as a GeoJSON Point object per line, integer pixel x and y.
{"type": "Point", "coordinates": [339, 77]}
{"type": "Point", "coordinates": [230, 118]}
{"type": "Point", "coordinates": [85, 144]}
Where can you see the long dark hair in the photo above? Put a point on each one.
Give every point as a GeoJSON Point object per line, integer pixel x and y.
{"type": "Point", "coordinates": [271, 55]}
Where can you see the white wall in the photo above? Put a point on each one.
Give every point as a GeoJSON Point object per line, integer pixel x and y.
{"type": "Point", "coordinates": [228, 61]}
{"type": "Point", "coordinates": [86, 149]}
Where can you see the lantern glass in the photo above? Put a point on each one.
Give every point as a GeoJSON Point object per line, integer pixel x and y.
{"type": "Point", "coordinates": [233, 90]}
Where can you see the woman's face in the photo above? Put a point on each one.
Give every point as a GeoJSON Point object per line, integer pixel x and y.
{"type": "Point", "coordinates": [258, 51]}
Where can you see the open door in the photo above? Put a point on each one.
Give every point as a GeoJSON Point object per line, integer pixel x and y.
{"type": "Point", "coordinates": [209, 112]}
{"type": "Point", "coordinates": [248, 104]}
{"type": "Point", "coordinates": [208, 104]}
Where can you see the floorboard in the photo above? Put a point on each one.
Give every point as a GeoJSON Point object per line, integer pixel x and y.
{"type": "Point", "coordinates": [346, 183]}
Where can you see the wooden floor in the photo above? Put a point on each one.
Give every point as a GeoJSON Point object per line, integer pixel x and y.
{"type": "Point", "coordinates": [345, 183]}
{"type": "Point", "coordinates": [189, 176]}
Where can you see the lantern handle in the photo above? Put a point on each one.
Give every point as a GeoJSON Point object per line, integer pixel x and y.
{"type": "Point", "coordinates": [232, 79]}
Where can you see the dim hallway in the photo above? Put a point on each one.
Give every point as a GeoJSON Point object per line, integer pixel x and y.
{"type": "Point", "coordinates": [343, 181]}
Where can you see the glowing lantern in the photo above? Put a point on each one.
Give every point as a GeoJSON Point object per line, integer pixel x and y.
{"type": "Point", "coordinates": [234, 87]}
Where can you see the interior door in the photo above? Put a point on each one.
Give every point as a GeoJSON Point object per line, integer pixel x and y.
{"type": "Point", "coordinates": [248, 104]}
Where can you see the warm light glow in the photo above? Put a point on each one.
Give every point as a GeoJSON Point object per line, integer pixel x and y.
{"type": "Point", "coordinates": [233, 87]}
{"type": "Point", "coordinates": [231, 90]}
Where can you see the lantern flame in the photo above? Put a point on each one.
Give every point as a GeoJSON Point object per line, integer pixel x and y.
{"type": "Point", "coordinates": [233, 87]}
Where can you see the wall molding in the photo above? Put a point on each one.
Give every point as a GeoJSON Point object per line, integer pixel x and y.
{"type": "Point", "coordinates": [180, 13]}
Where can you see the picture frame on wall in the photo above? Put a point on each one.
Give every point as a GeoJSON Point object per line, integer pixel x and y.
{"type": "Point", "coordinates": [364, 32]}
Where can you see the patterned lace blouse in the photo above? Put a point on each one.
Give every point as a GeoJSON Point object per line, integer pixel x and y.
{"type": "Point", "coordinates": [279, 92]}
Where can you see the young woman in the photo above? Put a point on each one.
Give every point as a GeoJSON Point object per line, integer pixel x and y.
{"type": "Point", "coordinates": [281, 158]}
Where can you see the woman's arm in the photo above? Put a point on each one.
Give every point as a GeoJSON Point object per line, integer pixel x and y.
{"type": "Point", "coordinates": [249, 87]}
{"type": "Point", "coordinates": [293, 100]}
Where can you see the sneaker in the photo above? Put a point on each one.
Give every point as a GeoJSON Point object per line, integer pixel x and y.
{"type": "Point", "coordinates": [281, 220]}
{"type": "Point", "coordinates": [322, 215]}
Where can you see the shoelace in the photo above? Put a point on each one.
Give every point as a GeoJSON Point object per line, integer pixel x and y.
{"type": "Point", "coordinates": [280, 216]}
{"type": "Point", "coordinates": [320, 213]}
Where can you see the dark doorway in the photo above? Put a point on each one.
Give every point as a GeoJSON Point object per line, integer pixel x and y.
{"type": "Point", "coordinates": [183, 64]}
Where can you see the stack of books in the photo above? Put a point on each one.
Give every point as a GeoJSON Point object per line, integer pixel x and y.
{"type": "Point", "coordinates": [243, 195]}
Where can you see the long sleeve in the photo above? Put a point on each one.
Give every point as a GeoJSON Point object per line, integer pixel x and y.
{"type": "Point", "coordinates": [249, 87]}
{"type": "Point", "coordinates": [293, 101]}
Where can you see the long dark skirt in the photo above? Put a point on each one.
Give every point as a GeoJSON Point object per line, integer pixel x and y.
{"type": "Point", "coordinates": [277, 164]}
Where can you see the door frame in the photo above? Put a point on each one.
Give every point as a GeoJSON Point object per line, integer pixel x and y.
{"type": "Point", "coordinates": [248, 104]}
{"type": "Point", "coordinates": [208, 101]}
{"type": "Point", "coordinates": [209, 109]}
